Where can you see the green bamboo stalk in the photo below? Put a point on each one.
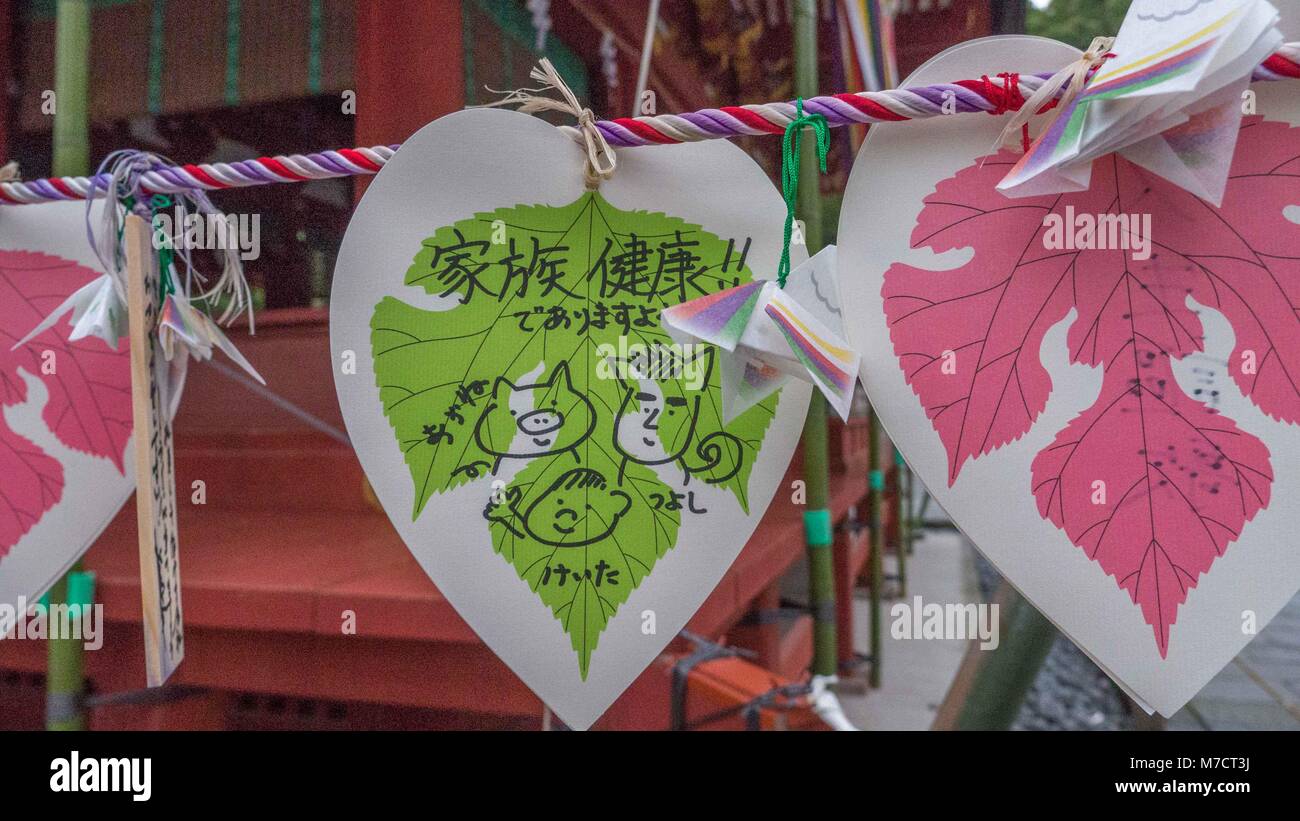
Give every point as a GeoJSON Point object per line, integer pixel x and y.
{"type": "Point", "coordinates": [821, 567]}
{"type": "Point", "coordinates": [901, 478]}
{"type": "Point", "coordinates": [65, 671]}
{"type": "Point", "coordinates": [909, 502]}
{"type": "Point", "coordinates": [875, 561]}
{"type": "Point", "coordinates": [816, 470]}
{"type": "Point", "coordinates": [1003, 676]}
{"type": "Point", "coordinates": [806, 85]}
{"type": "Point", "coordinates": [72, 88]}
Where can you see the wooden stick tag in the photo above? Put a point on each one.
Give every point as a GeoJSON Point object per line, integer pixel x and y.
{"type": "Point", "coordinates": [155, 497]}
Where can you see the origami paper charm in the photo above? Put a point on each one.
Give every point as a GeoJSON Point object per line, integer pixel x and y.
{"type": "Point", "coordinates": [773, 334]}
{"type": "Point", "coordinates": [1168, 95]}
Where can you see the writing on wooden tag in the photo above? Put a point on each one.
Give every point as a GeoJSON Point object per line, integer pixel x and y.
{"type": "Point", "coordinates": [160, 578]}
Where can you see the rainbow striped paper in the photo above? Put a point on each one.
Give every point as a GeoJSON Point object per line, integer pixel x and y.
{"type": "Point", "coordinates": [772, 334]}
{"type": "Point", "coordinates": [1169, 57]}
{"type": "Point", "coordinates": [828, 359]}
{"type": "Point", "coordinates": [717, 318]}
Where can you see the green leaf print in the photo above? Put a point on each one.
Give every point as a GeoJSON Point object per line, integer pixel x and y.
{"type": "Point", "coordinates": [547, 364]}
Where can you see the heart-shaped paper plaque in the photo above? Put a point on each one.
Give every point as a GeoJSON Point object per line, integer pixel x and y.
{"type": "Point", "coordinates": [558, 466]}
{"type": "Point", "coordinates": [65, 467]}
{"type": "Point", "coordinates": [1099, 387]}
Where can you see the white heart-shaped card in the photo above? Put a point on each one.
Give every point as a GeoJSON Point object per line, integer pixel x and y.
{"type": "Point", "coordinates": [65, 469]}
{"type": "Point", "coordinates": [556, 463]}
{"type": "Point", "coordinates": [1100, 386]}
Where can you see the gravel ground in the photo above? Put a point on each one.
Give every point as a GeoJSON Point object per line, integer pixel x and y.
{"type": "Point", "coordinates": [1070, 693]}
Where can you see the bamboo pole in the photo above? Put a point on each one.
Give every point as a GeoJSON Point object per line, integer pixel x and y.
{"type": "Point", "coordinates": [65, 662]}
{"type": "Point", "coordinates": [990, 685]}
{"type": "Point", "coordinates": [821, 565]}
{"type": "Point", "coordinates": [72, 88]}
{"type": "Point", "coordinates": [875, 560]}
{"type": "Point", "coordinates": [902, 524]}
{"type": "Point", "coordinates": [1006, 674]}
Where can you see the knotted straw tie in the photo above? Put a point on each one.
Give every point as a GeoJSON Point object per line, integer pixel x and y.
{"type": "Point", "coordinates": [1073, 78]}
{"type": "Point", "coordinates": [600, 157]}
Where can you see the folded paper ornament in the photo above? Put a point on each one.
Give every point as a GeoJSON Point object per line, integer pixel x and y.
{"type": "Point", "coordinates": [195, 334]}
{"type": "Point", "coordinates": [771, 334]}
{"type": "Point", "coordinates": [98, 310]}
{"type": "Point", "coordinates": [1168, 94]}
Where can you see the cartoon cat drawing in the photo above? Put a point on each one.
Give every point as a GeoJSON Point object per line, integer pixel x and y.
{"type": "Point", "coordinates": [658, 428]}
{"type": "Point", "coordinates": [561, 418]}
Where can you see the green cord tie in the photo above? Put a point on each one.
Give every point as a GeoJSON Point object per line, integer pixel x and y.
{"type": "Point", "coordinates": [166, 253]}
{"type": "Point", "coordinates": [790, 173]}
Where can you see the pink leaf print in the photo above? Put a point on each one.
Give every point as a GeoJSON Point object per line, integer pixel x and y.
{"type": "Point", "coordinates": [1151, 483]}
{"type": "Point", "coordinates": [968, 339]}
{"type": "Point", "coordinates": [89, 405]}
{"type": "Point", "coordinates": [32, 484]}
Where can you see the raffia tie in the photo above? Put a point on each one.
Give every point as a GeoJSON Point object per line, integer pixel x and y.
{"type": "Point", "coordinates": [601, 162]}
{"type": "Point", "coordinates": [1072, 78]}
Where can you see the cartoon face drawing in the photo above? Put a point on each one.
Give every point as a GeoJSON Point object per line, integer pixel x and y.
{"type": "Point", "coordinates": [659, 428]}
{"type": "Point", "coordinates": [640, 418]}
{"type": "Point", "coordinates": [578, 509]}
{"type": "Point", "coordinates": [526, 421]}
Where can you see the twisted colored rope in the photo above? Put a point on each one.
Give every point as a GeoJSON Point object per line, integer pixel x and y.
{"type": "Point", "coordinates": [178, 179]}
{"type": "Point", "coordinates": [994, 95]}
{"type": "Point", "coordinates": [1283, 64]}
{"type": "Point", "coordinates": [865, 107]}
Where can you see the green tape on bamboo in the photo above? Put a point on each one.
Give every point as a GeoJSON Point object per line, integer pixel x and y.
{"type": "Point", "coordinates": [81, 591]}
{"type": "Point", "coordinates": [81, 588]}
{"type": "Point", "coordinates": [817, 527]}
{"type": "Point", "coordinates": [877, 480]}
